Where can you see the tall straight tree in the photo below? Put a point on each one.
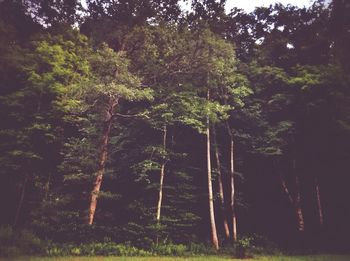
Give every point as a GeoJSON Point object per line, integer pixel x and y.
{"type": "Point", "coordinates": [319, 202]}
{"type": "Point", "coordinates": [234, 92]}
{"type": "Point", "coordinates": [214, 235]}
{"type": "Point", "coordinates": [221, 186]}
{"type": "Point", "coordinates": [216, 71]}
{"type": "Point", "coordinates": [230, 89]}
{"type": "Point", "coordinates": [157, 46]}
{"type": "Point", "coordinates": [232, 184]}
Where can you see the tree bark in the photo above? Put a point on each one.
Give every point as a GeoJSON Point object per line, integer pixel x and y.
{"type": "Point", "coordinates": [286, 190]}
{"type": "Point", "coordinates": [232, 178]}
{"type": "Point", "coordinates": [221, 188]}
{"type": "Point", "coordinates": [214, 235]}
{"type": "Point", "coordinates": [173, 137]}
{"type": "Point", "coordinates": [295, 201]}
{"type": "Point", "coordinates": [298, 209]}
{"type": "Point", "coordinates": [102, 158]}
{"type": "Point", "coordinates": [162, 172]}
{"type": "Point", "coordinates": [319, 205]}
{"type": "Point", "coordinates": [21, 199]}
{"type": "Point", "coordinates": [233, 207]}
{"type": "Point", "coordinates": [47, 187]}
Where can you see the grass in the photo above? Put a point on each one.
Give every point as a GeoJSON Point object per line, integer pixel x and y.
{"type": "Point", "coordinates": [199, 258]}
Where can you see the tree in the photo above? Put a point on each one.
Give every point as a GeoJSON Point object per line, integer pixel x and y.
{"type": "Point", "coordinates": [338, 25]}
{"type": "Point", "coordinates": [111, 84]}
{"type": "Point", "coordinates": [221, 187]}
{"type": "Point", "coordinates": [32, 139]}
{"type": "Point", "coordinates": [216, 67]}
{"type": "Point", "coordinates": [54, 13]}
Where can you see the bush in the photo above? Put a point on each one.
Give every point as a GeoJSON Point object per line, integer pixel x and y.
{"type": "Point", "coordinates": [92, 249]}
{"type": "Point", "coordinates": [201, 249]}
{"type": "Point", "coordinates": [54, 250]}
{"type": "Point", "coordinates": [10, 251]}
{"type": "Point", "coordinates": [248, 246]}
{"type": "Point", "coordinates": [169, 250]}
{"type": "Point", "coordinates": [242, 247]}
{"type": "Point", "coordinates": [263, 246]}
{"type": "Point", "coordinates": [15, 243]}
{"type": "Point", "coordinates": [114, 249]}
{"type": "Point", "coordinates": [30, 243]}
{"type": "Point", "coordinates": [6, 235]}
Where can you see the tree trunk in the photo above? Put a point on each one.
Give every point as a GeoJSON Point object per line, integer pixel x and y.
{"type": "Point", "coordinates": [298, 209]}
{"type": "Point", "coordinates": [221, 189]}
{"type": "Point", "coordinates": [319, 205]}
{"type": "Point", "coordinates": [300, 218]}
{"type": "Point", "coordinates": [233, 207]}
{"type": "Point", "coordinates": [173, 137]}
{"type": "Point", "coordinates": [20, 203]}
{"type": "Point", "coordinates": [295, 201]}
{"type": "Point", "coordinates": [47, 187]}
{"type": "Point", "coordinates": [162, 171]}
{"type": "Point", "coordinates": [102, 158]}
{"type": "Point", "coordinates": [214, 235]}
{"type": "Point", "coordinates": [232, 177]}
{"type": "Point", "coordinates": [286, 190]}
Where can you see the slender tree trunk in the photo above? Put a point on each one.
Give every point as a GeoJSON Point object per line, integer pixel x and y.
{"type": "Point", "coordinates": [102, 158]}
{"type": "Point", "coordinates": [162, 171]}
{"type": "Point", "coordinates": [286, 190]}
{"type": "Point", "coordinates": [173, 137]}
{"type": "Point", "coordinates": [21, 199]}
{"type": "Point", "coordinates": [38, 107]}
{"type": "Point", "coordinates": [300, 218]}
{"type": "Point", "coordinates": [47, 187]}
{"type": "Point", "coordinates": [233, 207]}
{"type": "Point", "coordinates": [319, 205]}
{"type": "Point", "coordinates": [232, 178]}
{"type": "Point", "coordinates": [221, 188]}
{"type": "Point", "coordinates": [298, 209]}
{"type": "Point", "coordinates": [214, 235]}
{"type": "Point", "coordinates": [295, 201]}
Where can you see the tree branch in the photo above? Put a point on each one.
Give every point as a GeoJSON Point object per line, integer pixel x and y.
{"type": "Point", "coordinates": [285, 188]}
{"type": "Point", "coordinates": [128, 115]}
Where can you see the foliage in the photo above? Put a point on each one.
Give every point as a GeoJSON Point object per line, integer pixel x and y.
{"type": "Point", "coordinates": [95, 249]}
{"type": "Point", "coordinates": [16, 243]}
{"type": "Point", "coordinates": [114, 249]}
{"type": "Point", "coordinates": [169, 250]}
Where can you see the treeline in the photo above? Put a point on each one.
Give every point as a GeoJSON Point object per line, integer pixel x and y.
{"type": "Point", "coordinates": [139, 123]}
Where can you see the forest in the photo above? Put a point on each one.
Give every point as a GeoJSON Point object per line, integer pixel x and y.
{"type": "Point", "coordinates": [131, 127]}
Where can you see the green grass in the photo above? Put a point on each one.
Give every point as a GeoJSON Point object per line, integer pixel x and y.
{"type": "Point", "coordinates": [305, 258]}
{"type": "Point", "coordinates": [201, 258]}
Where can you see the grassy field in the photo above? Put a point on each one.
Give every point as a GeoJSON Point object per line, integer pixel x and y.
{"type": "Point", "coordinates": [203, 258]}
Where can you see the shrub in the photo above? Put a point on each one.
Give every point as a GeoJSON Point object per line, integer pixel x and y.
{"type": "Point", "coordinates": [263, 246]}
{"type": "Point", "coordinates": [53, 250]}
{"type": "Point", "coordinates": [169, 250]}
{"type": "Point", "coordinates": [6, 235]}
{"type": "Point", "coordinates": [92, 249]}
{"type": "Point", "coordinates": [242, 247]}
{"type": "Point", "coordinates": [30, 243]}
{"type": "Point", "coordinates": [9, 251]}
{"type": "Point", "coordinates": [15, 243]}
{"type": "Point", "coordinates": [201, 249]}
{"type": "Point", "coordinates": [254, 244]}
